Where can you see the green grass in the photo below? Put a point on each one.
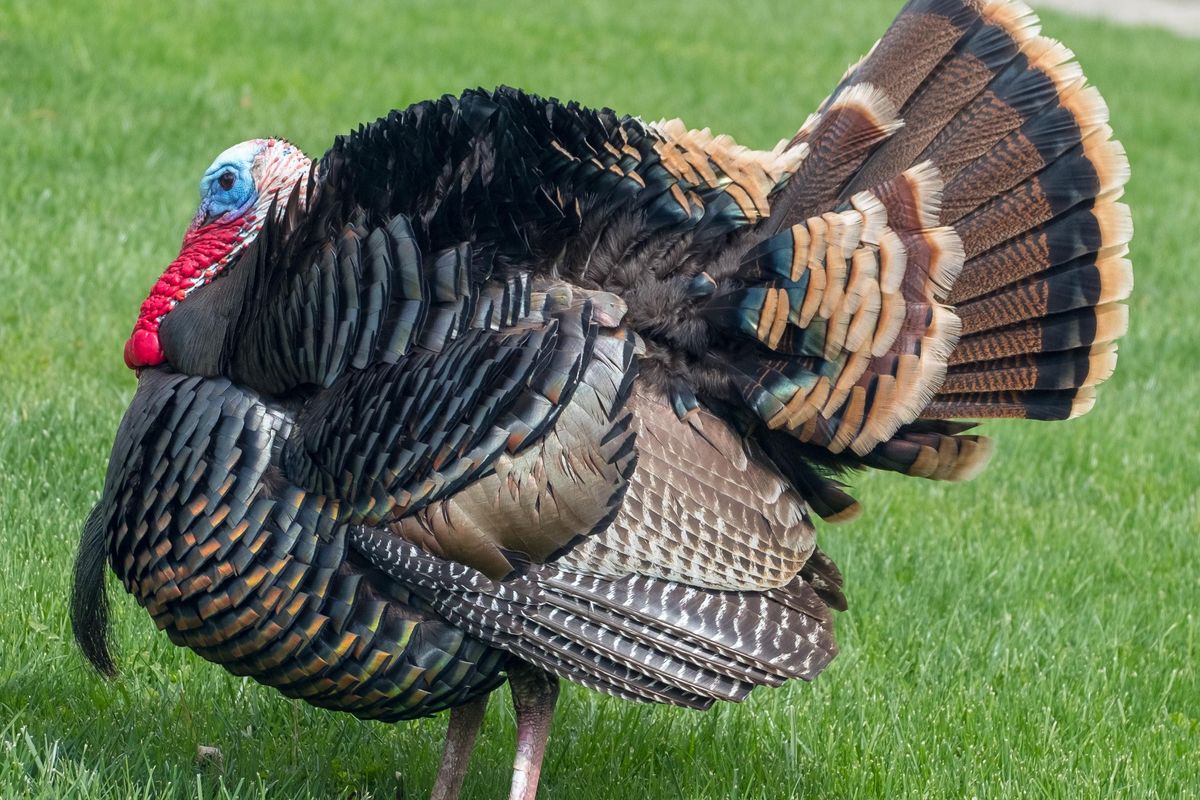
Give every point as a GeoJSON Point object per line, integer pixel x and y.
{"type": "Point", "coordinates": [1032, 634]}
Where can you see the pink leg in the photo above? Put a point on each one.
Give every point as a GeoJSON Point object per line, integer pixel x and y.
{"type": "Point", "coordinates": [465, 721]}
{"type": "Point", "coordinates": [534, 694]}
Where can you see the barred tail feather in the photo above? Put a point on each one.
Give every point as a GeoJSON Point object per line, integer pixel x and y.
{"type": "Point", "coordinates": [997, 266]}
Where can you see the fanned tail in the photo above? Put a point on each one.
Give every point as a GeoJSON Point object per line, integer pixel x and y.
{"type": "Point", "coordinates": [951, 246]}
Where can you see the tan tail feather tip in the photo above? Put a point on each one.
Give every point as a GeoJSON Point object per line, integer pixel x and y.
{"type": "Point", "coordinates": [1054, 59]}
{"type": "Point", "coordinates": [891, 320]}
{"type": "Point", "coordinates": [925, 465]}
{"type": "Point", "coordinates": [943, 336]}
{"type": "Point", "coordinates": [865, 323]}
{"type": "Point", "coordinates": [1088, 108]}
{"type": "Point", "coordinates": [847, 514]}
{"type": "Point", "coordinates": [1116, 279]}
{"type": "Point", "coordinates": [926, 184]}
{"type": "Point", "coordinates": [1109, 160]}
{"type": "Point", "coordinates": [1056, 62]}
{"type": "Point", "coordinates": [844, 230]}
{"type": "Point", "coordinates": [973, 457]}
{"type": "Point", "coordinates": [1116, 223]}
{"type": "Point", "coordinates": [851, 420]}
{"type": "Point", "coordinates": [874, 104]}
{"type": "Point", "coordinates": [882, 410]}
{"type": "Point", "coordinates": [1084, 401]}
{"type": "Point", "coordinates": [949, 449]}
{"type": "Point", "coordinates": [1014, 17]}
{"type": "Point", "coordinates": [893, 262]}
{"type": "Point", "coordinates": [835, 280]}
{"type": "Point", "coordinates": [1112, 322]}
{"type": "Point", "coordinates": [874, 216]}
{"type": "Point", "coordinates": [1102, 361]}
{"type": "Point", "coordinates": [946, 260]}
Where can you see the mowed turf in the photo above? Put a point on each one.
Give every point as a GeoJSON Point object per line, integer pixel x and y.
{"type": "Point", "coordinates": [1031, 634]}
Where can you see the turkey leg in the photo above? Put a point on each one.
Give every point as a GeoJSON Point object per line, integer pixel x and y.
{"type": "Point", "coordinates": [534, 693]}
{"type": "Point", "coordinates": [465, 721]}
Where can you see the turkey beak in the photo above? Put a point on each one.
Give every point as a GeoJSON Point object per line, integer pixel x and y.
{"type": "Point", "coordinates": [202, 218]}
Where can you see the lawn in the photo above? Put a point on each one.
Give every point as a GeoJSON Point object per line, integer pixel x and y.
{"type": "Point", "coordinates": [1035, 633]}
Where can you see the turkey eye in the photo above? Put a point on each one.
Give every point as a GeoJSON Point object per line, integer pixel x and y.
{"type": "Point", "coordinates": [227, 180]}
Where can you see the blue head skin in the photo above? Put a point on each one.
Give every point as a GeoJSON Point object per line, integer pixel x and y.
{"type": "Point", "coordinates": [228, 188]}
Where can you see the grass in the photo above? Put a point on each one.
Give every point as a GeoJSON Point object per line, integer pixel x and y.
{"type": "Point", "coordinates": [1032, 634]}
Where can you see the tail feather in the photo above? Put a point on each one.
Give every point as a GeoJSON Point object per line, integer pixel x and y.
{"type": "Point", "coordinates": [1043, 405]}
{"type": "Point", "coordinates": [996, 267]}
{"type": "Point", "coordinates": [838, 143]}
{"type": "Point", "coordinates": [89, 600]}
{"type": "Point", "coordinates": [1067, 369]}
{"type": "Point", "coordinates": [933, 449]}
{"type": "Point", "coordinates": [1081, 283]}
{"type": "Point", "coordinates": [1052, 334]}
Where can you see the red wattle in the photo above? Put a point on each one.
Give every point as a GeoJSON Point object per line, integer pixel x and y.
{"type": "Point", "coordinates": [202, 248]}
{"type": "Point", "coordinates": [142, 350]}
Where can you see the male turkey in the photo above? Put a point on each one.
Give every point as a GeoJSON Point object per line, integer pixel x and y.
{"type": "Point", "coordinates": [506, 388]}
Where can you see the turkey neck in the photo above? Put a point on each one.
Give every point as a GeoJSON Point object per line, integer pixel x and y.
{"type": "Point", "coordinates": [250, 572]}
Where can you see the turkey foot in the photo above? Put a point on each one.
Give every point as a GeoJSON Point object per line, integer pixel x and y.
{"type": "Point", "coordinates": [465, 721]}
{"type": "Point", "coordinates": [534, 693]}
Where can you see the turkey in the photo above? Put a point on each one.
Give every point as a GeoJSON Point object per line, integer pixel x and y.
{"type": "Point", "coordinates": [505, 389]}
